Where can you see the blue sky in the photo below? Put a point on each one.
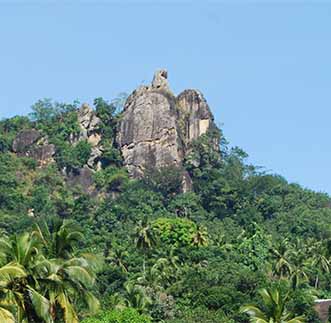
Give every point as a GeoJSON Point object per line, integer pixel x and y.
{"type": "Point", "coordinates": [264, 67]}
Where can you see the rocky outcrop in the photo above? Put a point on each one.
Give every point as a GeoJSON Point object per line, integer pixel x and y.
{"type": "Point", "coordinates": [149, 136]}
{"type": "Point", "coordinates": [25, 139]}
{"type": "Point", "coordinates": [89, 125]}
{"type": "Point", "coordinates": [43, 154]}
{"type": "Point", "coordinates": [195, 115]}
{"type": "Point", "coordinates": [157, 128]}
{"type": "Point", "coordinates": [30, 143]}
{"type": "Point", "coordinates": [82, 179]}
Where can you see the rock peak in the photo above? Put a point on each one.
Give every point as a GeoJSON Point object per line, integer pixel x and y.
{"type": "Point", "coordinates": [157, 128]}
{"type": "Point", "coordinates": [160, 79]}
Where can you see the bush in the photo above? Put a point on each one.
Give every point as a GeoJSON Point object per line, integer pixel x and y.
{"type": "Point", "coordinates": [127, 315]}
{"type": "Point", "coordinates": [176, 232]}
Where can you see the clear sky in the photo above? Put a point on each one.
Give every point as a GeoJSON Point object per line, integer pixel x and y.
{"type": "Point", "coordinates": [264, 67]}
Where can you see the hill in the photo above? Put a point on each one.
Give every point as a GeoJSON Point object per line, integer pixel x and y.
{"type": "Point", "coordinates": [145, 202]}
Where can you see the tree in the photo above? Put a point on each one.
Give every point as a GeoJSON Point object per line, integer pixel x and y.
{"type": "Point", "coordinates": [8, 275]}
{"type": "Point", "coordinates": [274, 310]}
{"type": "Point", "coordinates": [46, 290]}
{"type": "Point", "coordinates": [320, 261]}
{"type": "Point", "coordinates": [24, 250]}
{"type": "Point", "coordinates": [59, 238]}
{"type": "Point", "coordinates": [135, 297]}
{"type": "Point", "coordinates": [64, 283]}
{"type": "Point", "coordinates": [200, 237]}
{"type": "Point", "coordinates": [145, 238]}
{"type": "Point", "coordinates": [117, 257]}
{"type": "Point", "coordinates": [280, 255]}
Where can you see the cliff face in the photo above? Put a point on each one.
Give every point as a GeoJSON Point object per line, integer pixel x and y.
{"type": "Point", "coordinates": [149, 135]}
{"type": "Point", "coordinates": [157, 127]}
{"type": "Point", "coordinates": [156, 130]}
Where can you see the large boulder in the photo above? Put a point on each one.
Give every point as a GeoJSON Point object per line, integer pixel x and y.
{"type": "Point", "coordinates": [43, 154]}
{"type": "Point", "coordinates": [157, 128]}
{"type": "Point", "coordinates": [148, 132]}
{"type": "Point", "coordinates": [82, 179]}
{"type": "Point", "coordinates": [25, 139]}
{"type": "Point", "coordinates": [89, 125]}
{"type": "Point", "coordinates": [30, 143]}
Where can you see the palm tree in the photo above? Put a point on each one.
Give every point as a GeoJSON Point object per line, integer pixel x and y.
{"type": "Point", "coordinates": [274, 310]}
{"type": "Point", "coordinates": [24, 251]}
{"type": "Point", "coordinates": [200, 237]}
{"type": "Point", "coordinates": [135, 297]}
{"type": "Point", "coordinates": [145, 239]}
{"type": "Point", "coordinates": [117, 257]}
{"type": "Point", "coordinates": [8, 274]}
{"type": "Point", "coordinates": [64, 282]}
{"type": "Point", "coordinates": [59, 238]}
{"type": "Point", "coordinates": [281, 254]}
{"type": "Point", "coordinates": [322, 263]}
{"type": "Point", "coordinates": [45, 288]}
{"type": "Point", "coordinates": [298, 275]}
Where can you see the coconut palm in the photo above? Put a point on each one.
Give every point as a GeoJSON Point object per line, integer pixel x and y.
{"type": "Point", "coordinates": [298, 275]}
{"type": "Point", "coordinates": [8, 274]}
{"type": "Point", "coordinates": [200, 237]}
{"type": "Point", "coordinates": [64, 282]}
{"type": "Point", "coordinates": [24, 252]}
{"type": "Point", "coordinates": [322, 263]}
{"type": "Point", "coordinates": [117, 257]}
{"type": "Point", "coordinates": [22, 249]}
{"type": "Point", "coordinates": [49, 288]}
{"type": "Point", "coordinates": [274, 310]}
{"type": "Point", "coordinates": [281, 254]}
{"type": "Point", "coordinates": [145, 238]}
{"type": "Point", "coordinates": [59, 237]}
{"type": "Point", "coordinates": [136, 297]}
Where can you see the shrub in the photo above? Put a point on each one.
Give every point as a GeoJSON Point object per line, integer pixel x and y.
{"type": "Point", "coordinates": [126, 315]}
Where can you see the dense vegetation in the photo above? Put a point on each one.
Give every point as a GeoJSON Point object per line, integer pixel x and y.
{"type": "Point", "coordinates": [242, 245]}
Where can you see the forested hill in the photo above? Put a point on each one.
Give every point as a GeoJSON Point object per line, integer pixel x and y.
{"type": "Point", "coordinates": [138, 210]}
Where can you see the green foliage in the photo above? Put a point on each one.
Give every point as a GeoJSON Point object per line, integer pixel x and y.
{"type": "Point", "coordinates": [73, 157]}
{"type": "Point", "coordinates": [9, 128]}
{"type": "Point", "coordinates": [111, 179]}
{"type": "Point", "coordinates": [176, 232]}
{"type": "Point", "coordinates": [41, 289]}
{"type": "Point", "coordinates": [197, 256]}
{"type": "Point", "coordinates": [126, 315]}
{"type": "Point", "coordinates": [167, 181]}
{"type": "Point", "coordinates": [255, 248]}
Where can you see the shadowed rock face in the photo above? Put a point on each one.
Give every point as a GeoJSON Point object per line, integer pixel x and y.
{"type": "Point", "coordinates": [25, 139]}
{"type": "Point", "coordinates": [29, 143]}
{"type": "Point", "coordinates": [157, 128]}
{"type": "Point", "coordinates": [43, 154]}
{"type": "Point", "coordinates": [83, 179]}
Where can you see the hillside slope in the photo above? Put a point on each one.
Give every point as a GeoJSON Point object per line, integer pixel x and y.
{"type": "Point", "coordinates": [186, 229]}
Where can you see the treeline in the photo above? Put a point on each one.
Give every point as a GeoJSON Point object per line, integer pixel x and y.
{"type": "Point", "coordinates": [242, 245]}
